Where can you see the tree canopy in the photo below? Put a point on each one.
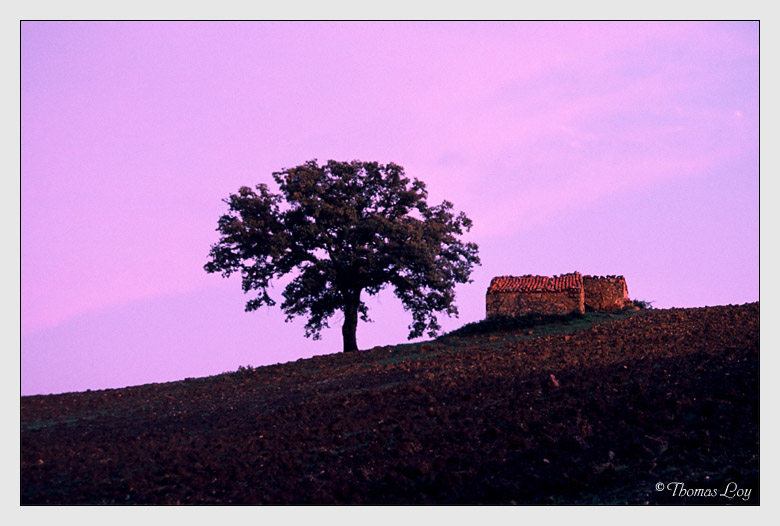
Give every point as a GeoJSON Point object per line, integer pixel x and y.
{"type": "Point", "coordinates": [342, 229]}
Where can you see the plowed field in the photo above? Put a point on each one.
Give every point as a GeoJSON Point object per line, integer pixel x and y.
{"type": "Point", "coordinates": [597, 410]}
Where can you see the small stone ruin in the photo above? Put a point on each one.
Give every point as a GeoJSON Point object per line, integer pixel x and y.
{"type": "Point", "coordinates": [564, 294]}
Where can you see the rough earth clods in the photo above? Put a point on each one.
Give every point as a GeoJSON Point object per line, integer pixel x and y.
{"type": "Point", "coordinates": [599, 409]}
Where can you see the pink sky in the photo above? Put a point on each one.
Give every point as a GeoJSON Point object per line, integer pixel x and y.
{"type": "Point", "coordinates": [607, 148]}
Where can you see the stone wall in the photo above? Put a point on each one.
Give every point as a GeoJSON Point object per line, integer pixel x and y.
{"type": "Point", "coordinates": [522, 303]}
{"type": "Point", "coordinates": [605, 293]}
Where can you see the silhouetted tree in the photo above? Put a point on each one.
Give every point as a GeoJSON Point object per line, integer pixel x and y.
{"type": "Point", "coordinates": [345, 228]}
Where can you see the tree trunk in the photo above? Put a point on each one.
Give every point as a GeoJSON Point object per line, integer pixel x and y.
{"type": "Point", "coordinates": [349, 329]}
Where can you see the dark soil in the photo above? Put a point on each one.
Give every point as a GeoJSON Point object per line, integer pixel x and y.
{"type": "Point", "coordinates": [591, 410]}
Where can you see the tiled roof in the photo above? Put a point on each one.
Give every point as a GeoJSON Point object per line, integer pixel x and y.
{"type": "Point", "coordinates": [605, 278]}
{"type": "Point", "coordinates": [536, 283]}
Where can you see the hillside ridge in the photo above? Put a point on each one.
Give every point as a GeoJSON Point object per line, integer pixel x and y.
{"type": "Point", "coordinates": [587, 410]}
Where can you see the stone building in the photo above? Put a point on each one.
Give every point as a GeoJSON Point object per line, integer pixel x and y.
{"type": "Point", "coordinates": [605, 293]}
{"type": "Point", "coordinates": [564, 294]}
{"type": "Point", "coordinates": [521, 295]}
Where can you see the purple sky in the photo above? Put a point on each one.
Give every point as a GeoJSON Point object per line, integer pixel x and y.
{"type": "Point", "coordinates": [607, 148]}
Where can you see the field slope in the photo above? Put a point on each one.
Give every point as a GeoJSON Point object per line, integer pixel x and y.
{"type": "Point", "coordinates": [591, 410]}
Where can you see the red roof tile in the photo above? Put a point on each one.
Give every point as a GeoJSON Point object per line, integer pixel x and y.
{"type": "Point", "coordinates": [536, 283]}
